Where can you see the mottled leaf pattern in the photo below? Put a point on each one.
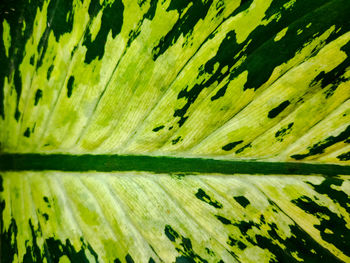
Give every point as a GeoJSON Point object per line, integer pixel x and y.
{"type": "Point", "coordinates": [166, 218]}
{"type": "Point", "coordinates": [255, 80]}
{"type": "Point", "coordinates": [243, 79]}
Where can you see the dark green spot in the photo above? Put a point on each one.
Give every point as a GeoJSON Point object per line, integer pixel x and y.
{"type": "Point", "coordinates": [221, 92]}
{"type": "Point", "coordinates": [243, 148]}
{"type": "Point", "coordinates": [279, 135]}
{"type": "Point", "coordinates": [27, 133]}
{"type": "Point", "coordinates": [275, 111]}
{"type": "Point", "coordinates": [330, 91]}
{"type": "Point", "coordinates": [170, 233]}
{"type": "Point", "coordinates": [112, 20]}
{"type": "Point", "coordinates": [244, 226]}
{"type": "Point", "coordinates": [31, 61]}
{"type": "Point", "coordinates": [18, 88]}
{"type": "Point", "coordinates": [46, 216]}
{"type": "Point", "coordinates": [70, 86]}
{"type": "Point", "coordinates": [242, 200]}
{"type": "Point", "coordinates": [158, 128]}
{"type": "Point", "coordinates": [49, 71]}
{"type": "Point", "coordinates": [233, 242]}
{"type": "Point", "coordinates": [201, 195]}
{"type": "Point", "coordinates": [231, 145]}
{"type": "Point", "coordinates": [344, 156]}
{"type": "Point", "coordinates": [223, 220]}
{"type": "Point", "coordinates": [73, 51]}
{"type": "Point", "coordinates": [209, 251]}
{"type": "Point", "coordinates": [46, 200]}
{"type": "Point", "coordinates": [175, 141]}
{"type": "Point", "coordinates": [17, 115]}
{"type": "Point", "coordinates": [38, 96]}
{"type": "Point", "coordinates": [129, 259]}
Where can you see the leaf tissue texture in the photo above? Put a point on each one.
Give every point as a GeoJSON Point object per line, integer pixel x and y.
{"type": "Point", "coordinates": [175, 131]}
{"type": "Point", "coordinates": [106, 217]}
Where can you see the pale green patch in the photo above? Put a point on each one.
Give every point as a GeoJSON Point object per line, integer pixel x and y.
{"type": "Point", "coordinates": [95, 26]}
{"type": "Point", "coordinates": [280, 34]}
{"type": "Point", "coordinates": [64, 259]}
{"type": "Point", "coordinates": [24, 26]}
{"type": "Point", "coordinates": [185, 10]}
{"type": "Point", "coordinates": [6, 36]}
{"type": "Point", "coordinates": [295, 255]}
{"type": "Point", "coordinates": [246, 22]}
{"type": "Point", "coordinates": [289, 4]}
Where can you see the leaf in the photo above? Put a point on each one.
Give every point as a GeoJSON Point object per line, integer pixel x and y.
{"type": "Point", "coordinates": [175, 131]}
{"type": "Point", "coordinates": [201, 218]}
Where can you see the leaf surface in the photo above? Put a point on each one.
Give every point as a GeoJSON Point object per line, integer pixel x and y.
{"type": "Point", "coordinates": [175, 131]}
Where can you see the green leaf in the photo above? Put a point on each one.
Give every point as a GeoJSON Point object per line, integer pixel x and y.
{"type": "Point", "coordinates": [175, 131]}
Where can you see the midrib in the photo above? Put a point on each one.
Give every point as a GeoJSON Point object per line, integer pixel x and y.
{"type": "Point", "coordinates": [162, 164]}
